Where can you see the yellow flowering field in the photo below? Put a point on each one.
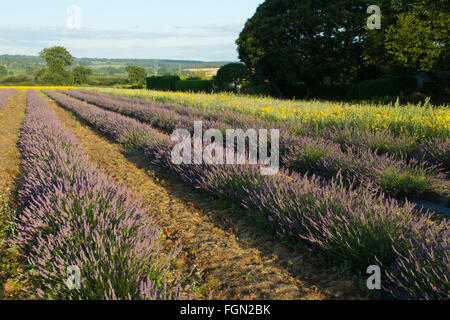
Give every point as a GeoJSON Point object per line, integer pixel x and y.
{"type": "Point", "coordinates": [422, 122]}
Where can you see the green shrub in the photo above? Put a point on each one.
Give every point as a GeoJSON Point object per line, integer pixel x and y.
{"type": "Point", "coordinates": [107, 81]}
{"type": "Point", "coordinates": [19, 79]}
{"type": "Point", "coordinates": [133, 86]}
{"type": "Point", "coordinates": [255, 88]}
{"type": "Point", "coordinates": [194, 85]}
{"type": "Point", "coordinates": [163, 83]}
{"type": "Point", "coordinates": [296, 90]}
{"type": "Point", "coordinates": [299, 90]}
{"type": "Point", "coordinates": [331, 91]}
{"type": "Point", "coordinates": [382, 88]}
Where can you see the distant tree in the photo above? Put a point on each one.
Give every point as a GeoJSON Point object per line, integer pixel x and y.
{"type": "Point", "coordinates": [29, 69]}
{"type": "Point", "coordinates": [38, 74]}
{"type": "Point", "coordinates": [81, 74]}
{"type": "Point", "coordinates": [57, 58]}
{"type": "Point", "coordinates": [233, 73]}
{"type": "Point", "coordinates": [136, 74]}
{"type": "Point", "coordinates": [61, 78]}
{"type": "Point", "coordinates": [3, 71]}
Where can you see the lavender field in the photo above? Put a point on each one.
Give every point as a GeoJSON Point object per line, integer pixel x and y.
{"type": "Point", "coordinates": [75, 215]}
{"type": "Point", "coordinates": [348, 202]}
{"type": "Point", "coordinates": [224, 159]}
{"type": "Point", "coordinates": [103, 212]}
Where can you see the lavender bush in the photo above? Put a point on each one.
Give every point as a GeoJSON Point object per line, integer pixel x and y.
{"type": "Point", "coordinates": [4, 96]}
{"type": "Point", "coordinates": [381, 142]}
{"type": "Point", "coordinates": [422, 272]}
{"type": "Point", "coordinates": [160, 116]}
{"type": "Point", "coordinates": [124, 130]}
{"type": "Point", "coordinates": [75, 215]}
{"type": "Point", "coordinates": [349, 224]}
{"type": "Point", "coordinates": [437, 152]}
{"type": "Point", "coordinates": [395, 176]}
{"type": "Point", "coordinates": [352, 224]}
{"type": "Point", "coordinates": [355, 224]}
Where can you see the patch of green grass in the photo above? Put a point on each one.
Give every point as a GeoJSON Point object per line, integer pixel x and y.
{"type": "Point", "coordinates": [344, 269]}
{"type": "Point", "coordinates": [406, 181]}
{"type": "Point", "coordinates": [13, 154]}
{"type": "Point", "coordinates": [20, 116]}
{"type": "Point", "coordinates": [9, 255]}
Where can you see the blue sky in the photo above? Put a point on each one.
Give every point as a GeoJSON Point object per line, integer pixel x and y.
{"type": "Point", "coordinates": [165, 29]}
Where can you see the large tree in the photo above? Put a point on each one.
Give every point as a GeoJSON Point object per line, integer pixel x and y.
{"type": "Point", "coordinates": [136, 74]}
{"type": "Point", "coordinates": [232, 73]}
{"type": "Point", "coordinates": [305, 40]}
{"type": "Point", "coordinates": [81, 74]}
{"type": "Point", "coordinates": [57, 58]}
{"type": "Point", "coordinates": [419, 40]}
{"type": "Point", "coordinates": [3, 71]}
{"type": "Point", "coordinates": [414, 37]}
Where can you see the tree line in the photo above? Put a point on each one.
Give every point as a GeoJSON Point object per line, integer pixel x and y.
{"type": "Point", "coordinates": [58, 59]}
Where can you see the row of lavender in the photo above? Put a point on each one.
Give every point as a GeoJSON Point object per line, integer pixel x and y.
{"type": "Point", "coordinates": [5, 95]}
{"type": "Point", "coordinates": [435, 151]}
{"type": "Point", "coordinates": [394, 176]}
{"type": "Point", "coordinates": [75, 216]}
{"type": "Point", "coordinates": [356, 226]}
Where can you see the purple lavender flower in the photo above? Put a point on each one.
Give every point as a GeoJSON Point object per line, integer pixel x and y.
{"type": "Point", "coordinates": [76, 215]}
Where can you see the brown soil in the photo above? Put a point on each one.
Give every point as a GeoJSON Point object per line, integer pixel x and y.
{"type": "Point", "coordinates": [14, 282]}
{"type": "Point", "coordinates": [224, 251]}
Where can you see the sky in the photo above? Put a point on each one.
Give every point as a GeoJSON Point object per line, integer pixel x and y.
{"type": "Point", "coordinates": [203, 30]}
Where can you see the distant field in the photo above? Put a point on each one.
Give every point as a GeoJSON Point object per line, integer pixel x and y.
{"type": "Point", "coordinates": [208, 71]}
{"type": "Point", "coordinates": [110, 67]}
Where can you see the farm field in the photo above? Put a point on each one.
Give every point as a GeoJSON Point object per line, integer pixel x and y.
{"type": "Point", "coordinates": [348, 176]}
{"type": "Point", "coordinates": [421, 122]}
{"type": "Point", "coordinates": [349, 151]}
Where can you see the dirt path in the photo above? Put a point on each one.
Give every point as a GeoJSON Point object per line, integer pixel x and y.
{"type": "Point", "coordinates": [13, 279]}
{"type": "Point", "coordinates": [227, 255]}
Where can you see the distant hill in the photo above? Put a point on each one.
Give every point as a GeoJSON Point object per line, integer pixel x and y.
{"type": "Point", "coordinates": [103, 67]}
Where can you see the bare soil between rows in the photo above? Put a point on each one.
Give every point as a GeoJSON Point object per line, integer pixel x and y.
{"type": "Point", "coordinates": [224, 251]}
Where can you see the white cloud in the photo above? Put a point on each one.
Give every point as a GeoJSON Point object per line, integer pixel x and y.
{"type": "Point", "coordinates": [177, 42]}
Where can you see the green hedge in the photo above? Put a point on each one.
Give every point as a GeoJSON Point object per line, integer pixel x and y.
{"type": "Point", "coordinates": [366, 90]}
{"type": "Point", "coordinates": [163, 83]}
{"type": "Point", "coordinates": [174, 83]}
{"type": "Point", "coordinates": [194, 85]}
{"type": "Point", "coordinates": [382, 88]}
{"type": "Point", "coordinates": [107, 81]}
{"type": "Point", "coordinates": [133, 86]}
{"type": "Point", "coordinates": [326, 91]}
